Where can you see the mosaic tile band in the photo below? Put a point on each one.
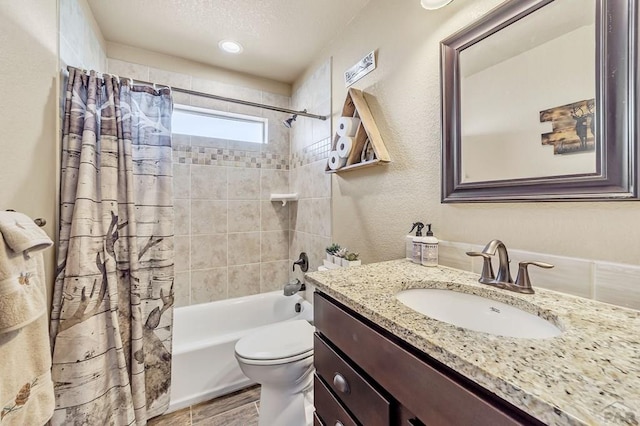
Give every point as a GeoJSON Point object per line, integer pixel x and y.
{"type": "Point", "coordinates": [187, 154]}
{"type": "Point", "coordinates": [311, 154]}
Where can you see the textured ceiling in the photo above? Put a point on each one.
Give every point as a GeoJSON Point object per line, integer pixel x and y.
{"type": "Point", "coordinates": [280, 37]}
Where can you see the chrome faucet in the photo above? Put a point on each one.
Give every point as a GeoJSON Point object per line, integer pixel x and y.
{"type": "Point", "coordinates": [293, 287]}
{"type": "Point", "coordinates": [503, 278]}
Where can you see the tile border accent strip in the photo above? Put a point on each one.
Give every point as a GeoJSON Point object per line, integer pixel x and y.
{"type": "Point", "coordinates": [311, 153]}
{"type": "Point", "coordinates": [188, 154]}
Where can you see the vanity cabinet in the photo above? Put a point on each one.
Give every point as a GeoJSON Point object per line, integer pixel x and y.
{"type": "Point", "coordinates": [367, 376]}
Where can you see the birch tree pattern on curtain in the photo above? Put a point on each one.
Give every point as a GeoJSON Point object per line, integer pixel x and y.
{"type": "Point", "coordinates": [112, 313]}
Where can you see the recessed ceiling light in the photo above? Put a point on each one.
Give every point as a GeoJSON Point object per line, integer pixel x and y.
{"type": "Point", "coordinates": [230, 46]}
{"type": "Point", "coordinates": [434, 4]}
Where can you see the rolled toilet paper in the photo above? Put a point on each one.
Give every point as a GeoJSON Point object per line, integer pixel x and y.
{"type": "Point", "coordinates": [335, 161]}
{"type": "Point", "coordinates": [347, 126]}
{"type": "Point", "coordinates": [344, 146]}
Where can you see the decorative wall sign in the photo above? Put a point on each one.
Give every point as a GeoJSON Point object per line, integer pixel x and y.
{"type": "Point", "coordinates": [573, 127]}
{"type": "Point", "coordinates": [359, 70]}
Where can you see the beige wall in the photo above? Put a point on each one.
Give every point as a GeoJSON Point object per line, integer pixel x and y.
{"type": "Point", "coordinates": [373, 208]}
{"type": "Point", "coordinates": [81, 42]}
{"type": "Point", "coordinates": [29, 144]}
{"type": "Point", "coordinates": [197, 70]}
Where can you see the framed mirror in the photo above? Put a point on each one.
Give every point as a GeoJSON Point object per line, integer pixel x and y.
{"type": "Point", "coordinates": [539, 103]}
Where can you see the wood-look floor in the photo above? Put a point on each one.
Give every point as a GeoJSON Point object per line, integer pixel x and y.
{"type": "Point", "coordinates": [236, 409]}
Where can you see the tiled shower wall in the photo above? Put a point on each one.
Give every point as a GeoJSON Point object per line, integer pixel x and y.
{"type": "Point", "coordinates": [230, 239]}
{"type": "Point", "coordinates": [310, 144]}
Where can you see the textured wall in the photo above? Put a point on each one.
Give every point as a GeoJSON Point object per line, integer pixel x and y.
{"type": "Point", "coordinates": [195, 69]}
{"type": "Point", "coordinates": [81, 42]}
{"type": "Point", "coordinates": [374, 208]}
{"type": "Point", "coordinates": [29, 146]}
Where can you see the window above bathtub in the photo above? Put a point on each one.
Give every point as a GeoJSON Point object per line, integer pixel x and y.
{"type": "Point", "coordinates": [194, 121]}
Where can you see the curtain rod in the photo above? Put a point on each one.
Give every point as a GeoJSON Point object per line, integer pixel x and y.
{"type": "Point", "coordinates": [241, 102]}
{"type": "Point", "coordinates": [222, 98]}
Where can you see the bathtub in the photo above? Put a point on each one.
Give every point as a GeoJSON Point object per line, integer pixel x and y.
{"type": "Point", "coordinates": [204, 338]}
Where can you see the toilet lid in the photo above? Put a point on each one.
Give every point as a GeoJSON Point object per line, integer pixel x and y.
{"type": "Point", "coordinates": [277, 341]}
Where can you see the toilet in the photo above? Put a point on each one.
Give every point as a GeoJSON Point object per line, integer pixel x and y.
{"type": "Point", "coordinates": [280, 358]}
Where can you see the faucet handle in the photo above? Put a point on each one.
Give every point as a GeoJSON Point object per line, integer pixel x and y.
{"type": "Point", "coordinates": [523, 282]}
{"type": "Point", "coordinates": [303, 262]}
{"type": "Point", "coordinates": [486, 276]}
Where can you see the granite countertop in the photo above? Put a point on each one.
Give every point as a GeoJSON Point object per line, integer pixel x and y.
{"type": "Point", "coordinates": [589, 375]}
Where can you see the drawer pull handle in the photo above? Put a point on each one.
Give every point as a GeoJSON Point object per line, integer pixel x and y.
{"type": "Point", "coordinates": [341, 383]}
{"type": "Point", "coordinates": [339, 423]}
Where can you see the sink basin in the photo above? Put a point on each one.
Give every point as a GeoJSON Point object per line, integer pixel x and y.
{"type": "Point", "coordinates": [477, 313]}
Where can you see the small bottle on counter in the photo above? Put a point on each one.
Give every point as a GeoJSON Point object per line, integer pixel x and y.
{"type": "Point", "coordinates": [408, 247]}
{"type": "Point", "coordinates": [416, 242]}
{"type": "Point", "coordinates": [429, 249]}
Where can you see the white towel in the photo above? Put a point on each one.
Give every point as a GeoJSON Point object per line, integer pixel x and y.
{"type": "Point", "coordinates": [22, 287]}
{"type": "Point", "coordinates": [26, 389]}
{"type": "Point", "coordinates": [21, 233]}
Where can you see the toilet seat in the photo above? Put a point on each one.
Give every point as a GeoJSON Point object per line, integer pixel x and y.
{"type": "Point", "coordinates": [277, 344]}
{"type": "Point", "coordinates": [277, 361]}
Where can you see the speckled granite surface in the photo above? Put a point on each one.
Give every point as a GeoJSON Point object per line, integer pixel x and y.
{"type": "Point", "coordinates": [590, 374]}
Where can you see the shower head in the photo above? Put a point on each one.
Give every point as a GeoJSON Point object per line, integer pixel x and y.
{"type": "Point", "coordinates": [289, 121]}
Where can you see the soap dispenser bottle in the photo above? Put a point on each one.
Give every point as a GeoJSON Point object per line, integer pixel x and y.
{"type": "Point", "coordinates": [417, 243]}
{"type": "Point", "coordinates": [429, 249]}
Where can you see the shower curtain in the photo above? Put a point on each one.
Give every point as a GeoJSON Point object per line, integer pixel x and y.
{"type": "Point", "coordinates": [111, 317]}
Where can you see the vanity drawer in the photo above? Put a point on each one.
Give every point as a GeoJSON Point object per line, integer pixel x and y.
{"type": "Point", "coordinates": [328, 409]}
{"type": "Point", "coordinates": [435, 397]}
{"type": "Point", "coordinates": [367, 404]}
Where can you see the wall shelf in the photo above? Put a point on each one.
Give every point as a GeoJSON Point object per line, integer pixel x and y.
{"type": "Point", "coordinates": [367, 134]}
{"type": "Point", "coordinates": [284, 198]}
{"type": "Point", "coordinates": [356, 166]}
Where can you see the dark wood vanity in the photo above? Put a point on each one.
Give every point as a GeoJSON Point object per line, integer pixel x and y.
{"type": "Point", "coordinates": [367, 376]}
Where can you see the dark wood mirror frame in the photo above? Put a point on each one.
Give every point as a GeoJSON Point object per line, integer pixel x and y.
{"type": "Point", "coordinates": [616, 176]}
